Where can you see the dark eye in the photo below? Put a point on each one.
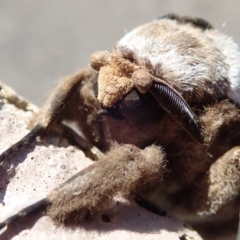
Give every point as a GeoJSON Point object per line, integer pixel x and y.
{"type": "Point", "coordinates": [138, 107]}
{"type": "Point", "coordinates": [134, 106]}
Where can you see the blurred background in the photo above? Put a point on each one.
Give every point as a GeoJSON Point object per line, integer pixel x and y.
{"type": "Point", "coordinates": [42, 41]}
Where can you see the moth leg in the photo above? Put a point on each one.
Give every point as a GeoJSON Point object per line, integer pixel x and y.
{"type": "Point", "coordinates": [125, 169]}
{"type": "Point", "coordinates": [214, 190]}
{"type": "Point", "coordinates": [222, 183]}
{"type": "Point", "coordinates": [73, 100]}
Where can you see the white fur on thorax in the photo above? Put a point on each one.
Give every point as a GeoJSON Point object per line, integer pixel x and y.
{"type": "Point", "coordinates": [221, 61]}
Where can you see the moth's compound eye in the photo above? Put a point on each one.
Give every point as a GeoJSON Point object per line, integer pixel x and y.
{"type": "Point", "coordinates": [138, 107]}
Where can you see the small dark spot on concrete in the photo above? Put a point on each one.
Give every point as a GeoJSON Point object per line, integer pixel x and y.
{"type": "Point", "coordinates": [63, 166]}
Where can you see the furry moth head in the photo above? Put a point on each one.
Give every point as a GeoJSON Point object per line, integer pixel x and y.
{"type": "Point", "coordinates": [198, 62]}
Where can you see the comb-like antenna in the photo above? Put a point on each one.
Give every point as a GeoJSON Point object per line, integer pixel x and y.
{"type": "Point", "coordinates": [170, 100]}
{"type": "Point", "coordinates": [173, 103]}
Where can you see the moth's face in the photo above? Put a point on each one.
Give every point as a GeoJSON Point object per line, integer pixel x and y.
{"type": "Point", "coordinates": [121, 92]}
{"type": "Point", "coordinates": [126, 91]}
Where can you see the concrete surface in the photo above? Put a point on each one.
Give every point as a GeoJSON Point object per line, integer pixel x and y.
{"type": "Point", "coordinates": [41, 41]}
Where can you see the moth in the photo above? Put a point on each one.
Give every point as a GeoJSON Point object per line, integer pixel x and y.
{"type": "Point", "coordinates": [161, 115]}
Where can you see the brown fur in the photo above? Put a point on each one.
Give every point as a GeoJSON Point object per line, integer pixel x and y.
{"type": "Point", "coordinates": [124, 170]}
{"type": "Point", "coordinates": [156, 159]}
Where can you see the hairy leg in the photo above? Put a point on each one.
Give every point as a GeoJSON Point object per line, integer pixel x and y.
{"type": "Point", "coordinates": [73, 100]}
{"type": "Point", "coordinates": [222, 183]}
{"type": "Point", "coordinates": [212, 197]}
{"type": "Point", "coordinates": [125, 169]}
{"type": "Point", "coordinates": [217, 194]}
